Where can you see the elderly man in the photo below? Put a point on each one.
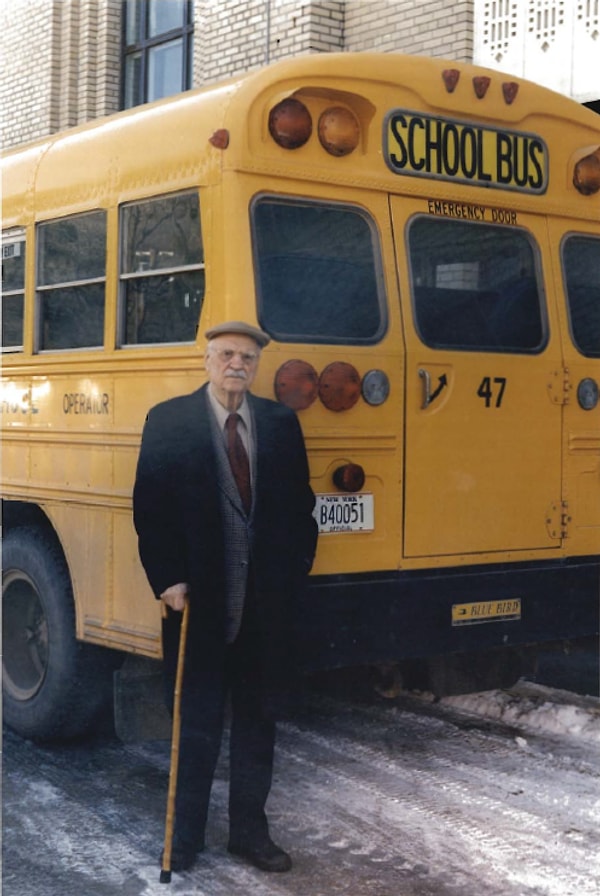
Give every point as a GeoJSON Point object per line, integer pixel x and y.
{"type": "Point", "coordinates": [223, 511]}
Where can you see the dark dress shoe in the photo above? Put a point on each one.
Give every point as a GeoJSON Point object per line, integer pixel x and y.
{"type": "Point", "coordinates": [183, 856]}
{"type": "Point", "coordinates": [265, 854]}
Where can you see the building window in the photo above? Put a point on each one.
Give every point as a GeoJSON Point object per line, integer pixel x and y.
{"type": "Point", "coordinates": [157, 55]}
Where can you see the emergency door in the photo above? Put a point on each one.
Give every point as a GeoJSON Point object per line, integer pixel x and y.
{"type": "Point", "coordinates": [483, 420]}
{"type": "Point", "coordinates": [576, 255]}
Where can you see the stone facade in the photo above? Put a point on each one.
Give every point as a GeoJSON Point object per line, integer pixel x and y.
{"type": "Point", "coordinates": [60, 65]}
{"type": "Point", "coordinates": [422, 27]}
{"type": "Point", "coordinates": [234, 36]}
{"type": "Point", "coordinates": [26, 76]}
{"type": "Point", "coordinates": [62, 58]}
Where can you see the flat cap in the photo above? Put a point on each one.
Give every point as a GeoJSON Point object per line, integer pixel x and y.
{"type": "Point", "coordinates": [239, 328]}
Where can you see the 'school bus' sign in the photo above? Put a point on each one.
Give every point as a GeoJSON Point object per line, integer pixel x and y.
{"type": "Point", "coordinates": [428, 146]}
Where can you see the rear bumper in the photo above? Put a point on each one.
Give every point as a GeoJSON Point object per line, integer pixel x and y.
{"type": "Point", "coordinates": [350, 620]}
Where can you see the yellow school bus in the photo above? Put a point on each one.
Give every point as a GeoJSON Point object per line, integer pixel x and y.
{"type": "Point", "coordinates": [421, 239]}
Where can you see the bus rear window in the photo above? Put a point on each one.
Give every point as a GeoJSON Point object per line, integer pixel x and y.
{"type": "Point", "coordinates": [581, 262]}
{"type": "Point", "coordinates": [318, 272]}
{"type": "Point", "coordinates": [474, 287]}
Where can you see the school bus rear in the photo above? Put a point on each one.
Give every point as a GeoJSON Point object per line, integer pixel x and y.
{"type": "Point", "coordinates": [410, 234]}
{"type": "Point", "coordinates": [418, 254]}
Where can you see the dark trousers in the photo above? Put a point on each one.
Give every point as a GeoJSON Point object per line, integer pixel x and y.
{"type": "Point", "coordinates": [252, 740]}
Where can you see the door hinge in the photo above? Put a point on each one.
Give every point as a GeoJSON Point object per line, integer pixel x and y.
{"type": "Point", "coordinates": [558, 519]}
{"type": "Point", "coordinates": [559, 386]}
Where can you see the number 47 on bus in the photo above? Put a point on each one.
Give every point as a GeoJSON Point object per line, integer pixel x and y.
{"type": "Point", "coordinates": [492, 390]}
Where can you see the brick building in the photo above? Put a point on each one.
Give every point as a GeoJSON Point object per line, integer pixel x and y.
{"type": "Point", "coordinates": [67, 61]}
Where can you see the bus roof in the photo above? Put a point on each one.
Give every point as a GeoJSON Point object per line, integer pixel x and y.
{"type": "Point", "coordinates": [167, 144]}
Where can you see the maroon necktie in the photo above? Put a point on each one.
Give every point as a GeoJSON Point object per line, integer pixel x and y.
{"type": "Point", "coordinates": [238, 460]}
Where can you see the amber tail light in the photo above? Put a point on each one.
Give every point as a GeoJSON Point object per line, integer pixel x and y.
{"type": "Point", "coordinates": [586, 176]}
{"type": "Point", "coordinates": [339, 131]}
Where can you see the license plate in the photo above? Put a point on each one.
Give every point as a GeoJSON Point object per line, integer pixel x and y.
{"type": "Point", "coordinates": [345, 513]}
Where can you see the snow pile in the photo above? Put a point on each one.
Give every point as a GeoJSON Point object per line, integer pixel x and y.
{"type": "Point", "coordinates": [540, 711]}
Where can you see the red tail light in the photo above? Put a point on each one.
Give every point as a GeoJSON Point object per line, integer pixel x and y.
{"type": "Point", "coordinates": [339, 386]}
{"type": "Point", "coordinates": [296, 384]}
{"type": "Point", "coordinates": [349, 478]}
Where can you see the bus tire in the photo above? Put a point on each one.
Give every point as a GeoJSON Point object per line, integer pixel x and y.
{"type": "Point", "coordinates": [53, 686]}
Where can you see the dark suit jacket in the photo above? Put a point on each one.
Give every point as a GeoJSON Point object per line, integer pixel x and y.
{"type": "Point", "coordinates": [178, 518]}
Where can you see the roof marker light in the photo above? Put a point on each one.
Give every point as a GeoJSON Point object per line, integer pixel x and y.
{"type": "Point", "coordinates": [509, 91]}
{"type": "Point", "coordinates": [220, 138]}
{"type": "Point", "coordinates": [339, 131]}
{"type": "Point", "coordinates": [480, 85]}
{"type": "Point", "coordinates": [290, 123]}
{"type": "Point", "coordinates": [450, 76]}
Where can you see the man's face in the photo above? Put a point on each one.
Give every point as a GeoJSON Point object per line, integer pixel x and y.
{"type": "Point", "coordinates": [231, 363]}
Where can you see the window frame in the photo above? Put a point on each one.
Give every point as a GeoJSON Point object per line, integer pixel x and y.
{"type": "Point", "coordinates": [575, 235]}
{"type": "Point", "coordinates": [439, 345]}
{"type": "Point", "coordinates": [42, 289]}
{"type": "Point", "coordinates": [126, 276]}
{"type": "Point", "coordinates": [145, 44]}
{"type": "Point", "coordinates": [378, 269]}
{"type": "Point", "coordinates": [15, 235]}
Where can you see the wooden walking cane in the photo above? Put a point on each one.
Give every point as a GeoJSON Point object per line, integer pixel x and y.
{"type": "Point", "coordinates": [165, 873]}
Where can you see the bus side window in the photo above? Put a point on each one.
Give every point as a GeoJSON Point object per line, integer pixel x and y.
{"type": "Point", "coordinates": [13, 290]}
{"type": "Point", "coordinates": [71, 276]}
{"type": "Point", "coordinates": [474, 287]}
{"type": "Point", "coordinates": [162, 270]}
{"type": "Point", "coordinates": [581, 265]}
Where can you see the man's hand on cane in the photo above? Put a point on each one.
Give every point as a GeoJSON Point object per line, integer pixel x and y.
{"type": "Point", "coordinates": [175, 596]}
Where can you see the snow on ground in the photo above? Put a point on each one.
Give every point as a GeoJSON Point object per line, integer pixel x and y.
{"type": "Point", "coordinates": [536, 708]}
{"type": "Point", "coordinates": [495, 794]}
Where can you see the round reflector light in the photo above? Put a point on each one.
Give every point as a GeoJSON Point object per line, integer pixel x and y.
{"type": "Point", "coordinates": [375, 387]}
{"type": "Point", "coordinates": [290, 124]}
{"type": "Point", "coordinates": [587, 394]}
{"type": "Point", "coordinates": [349, 478]}
{"type": "Point", "coordinates": [339, 386]}
{"type": "Point", "coordinates": [339, 131]}
{"type": "Point", "coordinates": [296, 384]}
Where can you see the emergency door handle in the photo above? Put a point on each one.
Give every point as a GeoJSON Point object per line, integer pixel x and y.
{"type": "Point", "coordinates": [426, 378]}
{"type": "Point", "coordinates": [430, 395]}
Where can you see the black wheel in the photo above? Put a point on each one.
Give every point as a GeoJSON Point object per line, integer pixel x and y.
{"type": "Point", "coordinates": [53, 686]}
